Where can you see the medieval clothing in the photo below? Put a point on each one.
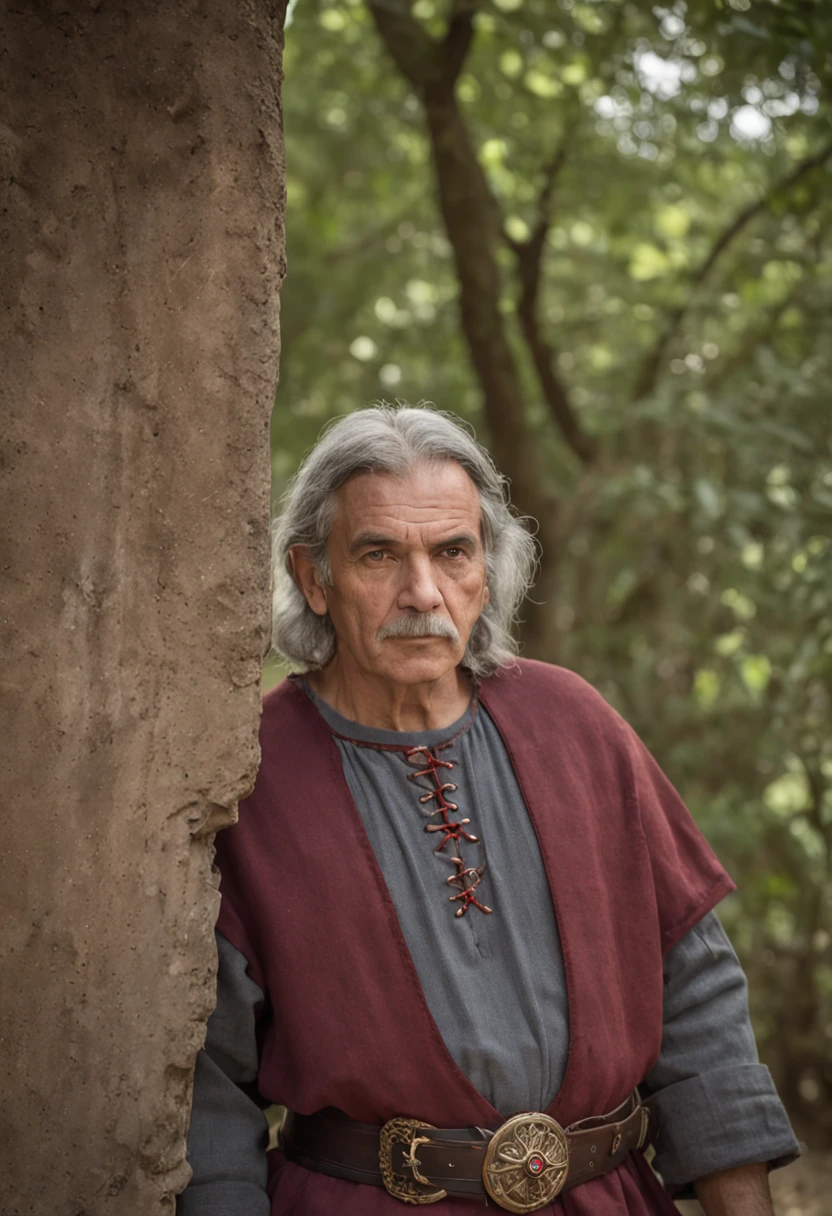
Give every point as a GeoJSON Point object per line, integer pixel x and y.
{"type": "Point", "coordinates": [347, 980]}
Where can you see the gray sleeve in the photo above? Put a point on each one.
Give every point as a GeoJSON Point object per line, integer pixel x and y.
{"type": "Point", "coordinates": [228, 1134]}
{"type": "Point", "coordinates": [713, 1105]}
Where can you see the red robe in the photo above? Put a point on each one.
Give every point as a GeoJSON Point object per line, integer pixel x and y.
{"type": "Point", "coordinates": [303, 898]}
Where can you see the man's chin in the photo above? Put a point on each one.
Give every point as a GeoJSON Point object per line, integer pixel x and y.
{"type": "Point", "coordinates": [420, 665]}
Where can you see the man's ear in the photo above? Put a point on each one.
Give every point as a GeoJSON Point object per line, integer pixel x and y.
{"type": "Point", "coordinates": [305, 574]}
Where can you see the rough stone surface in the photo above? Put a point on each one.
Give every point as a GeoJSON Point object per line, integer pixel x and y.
{"type": "Point", "coordinates": [141, 247]}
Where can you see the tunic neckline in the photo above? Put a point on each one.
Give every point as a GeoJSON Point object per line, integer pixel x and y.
{"type": "Point", "coordinates": [357, 732]}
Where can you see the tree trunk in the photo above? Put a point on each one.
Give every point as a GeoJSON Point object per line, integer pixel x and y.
{"type": "Point", "coordinates": [142, 259]}
{"type": "Point", "coordinates": [472, 222]}
{"type": "Point", "coordinates": [472, 219]}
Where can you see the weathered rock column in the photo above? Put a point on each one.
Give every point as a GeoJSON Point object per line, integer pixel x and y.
{"type": "Point", "coordinates": [141, 248]}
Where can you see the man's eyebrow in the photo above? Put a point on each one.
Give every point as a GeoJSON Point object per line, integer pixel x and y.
{"type": "Point", "coordinates": [372, 539]}
{"type": "Point", "coordinates": [462, 539]}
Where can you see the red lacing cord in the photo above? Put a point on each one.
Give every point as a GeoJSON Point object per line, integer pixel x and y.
{"type": "Point", "coordinates": [466, 879]}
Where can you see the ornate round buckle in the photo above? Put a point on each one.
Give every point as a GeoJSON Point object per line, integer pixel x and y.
{"type": "Point", "coordinates": [526, 1163]}
{"type": "Point", "coordinates": [410, 1187]}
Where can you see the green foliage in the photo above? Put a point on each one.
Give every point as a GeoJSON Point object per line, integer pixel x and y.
{"type": "Point", "coordinates": [695, 582]}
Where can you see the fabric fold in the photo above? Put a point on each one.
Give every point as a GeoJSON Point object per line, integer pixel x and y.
{"type": "Point", "coordinates": [714, 1112]}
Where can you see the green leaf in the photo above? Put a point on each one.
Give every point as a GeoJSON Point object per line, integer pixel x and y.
{"type": "Point", "coordinates": [756, 673]}
{"type": "Point", "coordinates": [648, 262]}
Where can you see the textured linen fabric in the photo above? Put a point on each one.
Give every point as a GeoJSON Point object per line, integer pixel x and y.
{"type": "Point", "coordinates": [495, 985]}
{"type": "Point", "coordinates": [713, 1105]}
{"type": "Point", "coordinates": [228, 1134]}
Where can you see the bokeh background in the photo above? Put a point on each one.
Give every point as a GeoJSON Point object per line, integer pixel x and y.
{"type": "Point", "coordinates": [599, 231]}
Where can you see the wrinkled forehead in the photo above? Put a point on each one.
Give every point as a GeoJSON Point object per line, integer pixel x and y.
{"type": "Point", "coordinates": [431, 496]}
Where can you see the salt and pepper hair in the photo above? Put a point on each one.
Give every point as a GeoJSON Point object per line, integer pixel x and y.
{"type": "Point", "coordinates": [393, 439]}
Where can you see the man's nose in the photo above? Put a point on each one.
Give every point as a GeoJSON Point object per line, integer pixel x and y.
{"type": "Point", "coordinates": [419, 592]}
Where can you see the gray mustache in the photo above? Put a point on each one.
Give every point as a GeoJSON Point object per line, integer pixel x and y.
{"type": "Point", "coordinates": [419, 625]}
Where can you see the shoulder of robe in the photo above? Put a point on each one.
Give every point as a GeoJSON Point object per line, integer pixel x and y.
{"type": "Point", "coordinates": [285, 698]}
{"type": "Point", "coordinates": [557, 697]}
{"type": "Point", "coordinates": [288, 718]}
{"type": "Point", "coordinates": [293, 742]}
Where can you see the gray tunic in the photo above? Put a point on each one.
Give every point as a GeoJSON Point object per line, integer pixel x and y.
{"type": "Point", "coordinates": [494, 983]}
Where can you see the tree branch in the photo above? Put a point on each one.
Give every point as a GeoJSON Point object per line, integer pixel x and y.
{"type": "Point", "coordinates": [652, 366]}
{"type": "Point", "coordinates": [529, 256]}
{"type": "Point", "coordinates": [409, 45]}
{"type": "Point", "coordinates": [423, 61]}
{"type": "Point", "coordinates": [458, 38]}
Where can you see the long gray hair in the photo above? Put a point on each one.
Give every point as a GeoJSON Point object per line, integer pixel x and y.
{"type": "Point", "coordinates": [393, 439]}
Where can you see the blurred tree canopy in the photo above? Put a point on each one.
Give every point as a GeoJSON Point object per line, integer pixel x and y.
{"type": "Point", "coordinates": [599, 231]}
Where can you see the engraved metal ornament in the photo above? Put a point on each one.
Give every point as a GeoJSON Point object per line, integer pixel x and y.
{"type": "Point", "coordinates": [410, 1187]}
{"type": "Point", "coordinates": [526, 1163]}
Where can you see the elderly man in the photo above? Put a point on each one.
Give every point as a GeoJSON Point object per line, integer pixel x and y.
{"type": "Point", "coordinates": [467, 934]}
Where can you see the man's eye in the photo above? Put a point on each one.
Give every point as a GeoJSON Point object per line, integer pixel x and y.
{"type": "Point", "coordinates": [375, 555]}
{"type": "Point", "coordinates": [453, 551]}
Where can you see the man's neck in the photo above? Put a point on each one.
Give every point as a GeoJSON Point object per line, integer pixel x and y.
{"type": "Point", "coordinates": [385, 706]}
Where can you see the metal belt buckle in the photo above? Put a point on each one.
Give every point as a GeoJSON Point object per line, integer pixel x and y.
{"type": "Point", "coordinates": [526, 1163]}
{"type": "Point", "coordinates": [411, 1187]}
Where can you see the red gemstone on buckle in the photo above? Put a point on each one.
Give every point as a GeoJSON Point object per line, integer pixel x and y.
{"type": "Point", "coordinates": [536, 1164]}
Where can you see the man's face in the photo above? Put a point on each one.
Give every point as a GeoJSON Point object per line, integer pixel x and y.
{"type": "Point", "coordinates": [401, 548]}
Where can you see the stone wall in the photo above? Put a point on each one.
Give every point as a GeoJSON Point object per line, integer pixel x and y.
{"type": "Point", "coordinates": [141, 246]}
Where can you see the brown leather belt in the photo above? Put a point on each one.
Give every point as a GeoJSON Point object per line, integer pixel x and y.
{"type": "Point", "coordinates": [521, 1165]}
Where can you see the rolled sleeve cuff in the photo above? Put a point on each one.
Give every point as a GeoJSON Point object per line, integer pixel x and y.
{"type": "Point", "coordinates": [717, 1121]}
{"type": "Point", "coordinates": [223, 1199]}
